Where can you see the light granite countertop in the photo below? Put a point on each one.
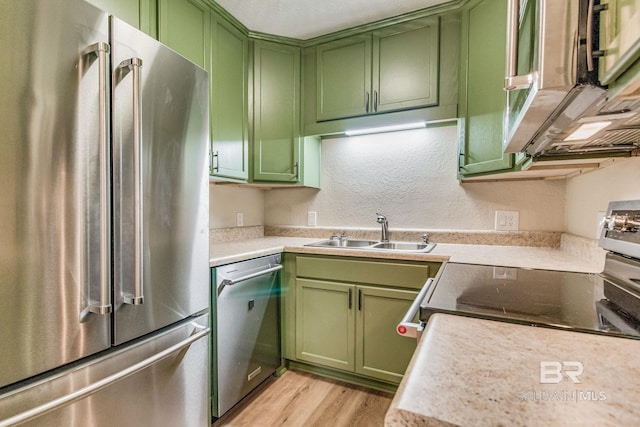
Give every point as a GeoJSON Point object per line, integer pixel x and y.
{"type": "Point", "coordinates": [508, 256]}
{"type": "Point", "coordinates": [475, 372]}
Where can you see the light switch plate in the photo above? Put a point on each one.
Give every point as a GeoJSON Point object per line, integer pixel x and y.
{"type": "Point", "coordinates": [239, 219]}
{"type": "Point", "coordinates": [507, 220]}
{"type": "Point", "coordinates": [312, 219]}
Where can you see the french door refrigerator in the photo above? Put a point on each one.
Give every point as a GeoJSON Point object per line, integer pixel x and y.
{"type": "Point", "coordinates": [104, 273]}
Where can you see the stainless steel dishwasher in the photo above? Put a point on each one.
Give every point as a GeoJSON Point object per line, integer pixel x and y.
{"type": "Point", "coordinates": [246, 316]}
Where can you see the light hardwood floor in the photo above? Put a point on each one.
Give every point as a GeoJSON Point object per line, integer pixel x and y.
{"type": "Point", "coordinates": [302, 399]}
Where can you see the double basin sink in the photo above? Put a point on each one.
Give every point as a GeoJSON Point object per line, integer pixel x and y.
{"type": "Point", "coordinates": [374, 245]}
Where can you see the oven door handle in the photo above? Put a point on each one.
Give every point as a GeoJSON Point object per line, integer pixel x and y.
{"type": "Point", "coordinates": [406, 327]}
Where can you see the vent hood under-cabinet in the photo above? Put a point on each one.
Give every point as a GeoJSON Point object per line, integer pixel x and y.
{"type": "Point", "coordinates": [552, 85]}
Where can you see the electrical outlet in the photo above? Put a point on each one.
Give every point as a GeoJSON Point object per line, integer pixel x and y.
{"type": "Point", "coordinates": [598, 224]}
{"type": "Point", "coordinates": [507, 220]}
{"type": "Point", "coordinates": [239, 219]}
{"type": "Point", "coordinates": [505, 273]}
{"type": "Point", "coordinates": [312, 219]}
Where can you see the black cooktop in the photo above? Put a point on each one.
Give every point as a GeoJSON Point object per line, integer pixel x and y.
{"type": "Point", "coordinates": [556, 299]}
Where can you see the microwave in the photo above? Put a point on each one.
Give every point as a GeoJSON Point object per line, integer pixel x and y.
{"type": "Point", "coordinates": [555, 104]}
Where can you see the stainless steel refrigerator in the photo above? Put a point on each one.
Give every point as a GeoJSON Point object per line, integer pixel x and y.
{"type": "Point", "coordinates": [104, 276]}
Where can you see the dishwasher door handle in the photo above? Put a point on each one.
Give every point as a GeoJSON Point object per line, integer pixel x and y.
{"type": "Point", "coordinates": [406, 327]}
{"type": "Point", "coordinates": [231, 282]}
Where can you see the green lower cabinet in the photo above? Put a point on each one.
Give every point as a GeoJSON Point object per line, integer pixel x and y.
{"type": "Point", "coordinates": [352, 328]}
{"type": "Point", "coordinates": [380, 352]}
{"type": "Point", "coordinates": [325, 325]}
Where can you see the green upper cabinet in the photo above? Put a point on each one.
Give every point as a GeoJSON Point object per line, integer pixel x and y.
{"type": "Point", "coordinates": [390, 69]}
{"type": "Point", "coordinates": [139, 13]}
{"type": "Point", "coordinates": [276, 110]}
{"type": "Point", "coordinates": [405, 65]}
{"type": "Point", "coordinates": [184, 26]}
{"type": "Point", "coordinates": [481, 95]}
{"type": "Point", "coordinates": [619, 38]}
{"type": "Point", "coordinates": [229, 105]}
{"type": "Point", "coordinates": [344, 78]}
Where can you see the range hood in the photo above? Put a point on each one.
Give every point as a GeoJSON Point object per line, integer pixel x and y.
{"type": "Point", "coordinates": [555, 106]}
{"type": "Point", "coordinates": [597, 127]}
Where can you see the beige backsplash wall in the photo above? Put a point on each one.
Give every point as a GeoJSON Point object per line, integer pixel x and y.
{"type": "Point", "coordinates": [225, 201]}
{"type": "Point", "coordinates": [410, 177]}
{"type": "Point", "coordinates": [588, 195]}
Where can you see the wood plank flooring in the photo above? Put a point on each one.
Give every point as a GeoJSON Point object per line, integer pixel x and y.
{"type": "Point", "coordinates": [302, 399]}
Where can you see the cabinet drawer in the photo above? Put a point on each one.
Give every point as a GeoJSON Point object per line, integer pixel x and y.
{"type": "Point", "coordinates": [395, 274]}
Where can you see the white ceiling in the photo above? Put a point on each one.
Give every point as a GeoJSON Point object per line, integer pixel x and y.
{"type": "Point", "coordinates": [305, 19]}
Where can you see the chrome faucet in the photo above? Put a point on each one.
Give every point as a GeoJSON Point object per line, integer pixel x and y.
{"type": "Point", "coordinates": [382, 220]}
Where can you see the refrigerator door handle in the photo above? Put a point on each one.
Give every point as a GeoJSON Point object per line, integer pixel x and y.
{"type": "Point", "coordinates": [105, 382]}
{"type": "Point", "coordinates": [103, 304]}
{"type": "Point", "coordinates": [134, 65]}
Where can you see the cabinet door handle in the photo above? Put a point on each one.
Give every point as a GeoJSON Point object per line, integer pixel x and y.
{"type": "Point", "coordinates": [215, 161]}
{"type": "Point", "coordinates": [590, 52]}
{"type": "Point", "coordinates": [349, 296]}
{"type": "Point", "coordinates": [296, 167]}
{"type": "Point", "coordinates": [359, 299]}
{"type": "Point", "coordinates": [375, 101]}
{"type": "Point", "coordinates": [366, 102]}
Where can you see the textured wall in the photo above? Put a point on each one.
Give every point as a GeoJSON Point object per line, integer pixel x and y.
{"type": "Point", "coordinates": [589, 195]}
{"type": "Point", "coordinates": [411, 177]}
{"type": "Point", "coordinates": [226, 200]}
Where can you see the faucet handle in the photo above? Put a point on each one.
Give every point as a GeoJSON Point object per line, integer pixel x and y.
{"type": "Point", "coordinates": [425, 238]}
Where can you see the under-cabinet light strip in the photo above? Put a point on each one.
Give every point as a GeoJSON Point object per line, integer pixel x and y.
{"type": "Point", "coordinates": [381, 129]}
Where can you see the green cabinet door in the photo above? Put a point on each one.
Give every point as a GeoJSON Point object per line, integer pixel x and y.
{"type": "Point", "coordinates": [481, 95]}
{"type": "Point", "coordinates": [229, 102]}
{"type": "Point", "coordinates": [405, 65]}
{"type": "Point", "coordinates": [184, 26]}
{"type": "Point", "coordinates": [619, 38]}
{"type": "Point", "coordinates": [380, 352]}
{"type": "Point", "coordinates": [127, 10]}
{"type": "Point", "coordinates": [276, 110]}
{"type": "Point", "coordinates": [139, 13]}
{"type": "Point", "coordinates": [394, 68]}
{"type": "Point", "coordinates": [344, 78]}
{"type": "Point", "coordinates": [325, 326]}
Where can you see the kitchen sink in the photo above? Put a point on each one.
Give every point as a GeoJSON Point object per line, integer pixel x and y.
{"type": "Point", "coordinates": [348, 243]}
{"type": "Point", "coordinates": [405, 246]}
{"type": "Point", "coordinates": [374, 245]}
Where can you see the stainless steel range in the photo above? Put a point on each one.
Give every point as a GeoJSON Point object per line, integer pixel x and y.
{"type": "Point", "coordinates": [606, 303]}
